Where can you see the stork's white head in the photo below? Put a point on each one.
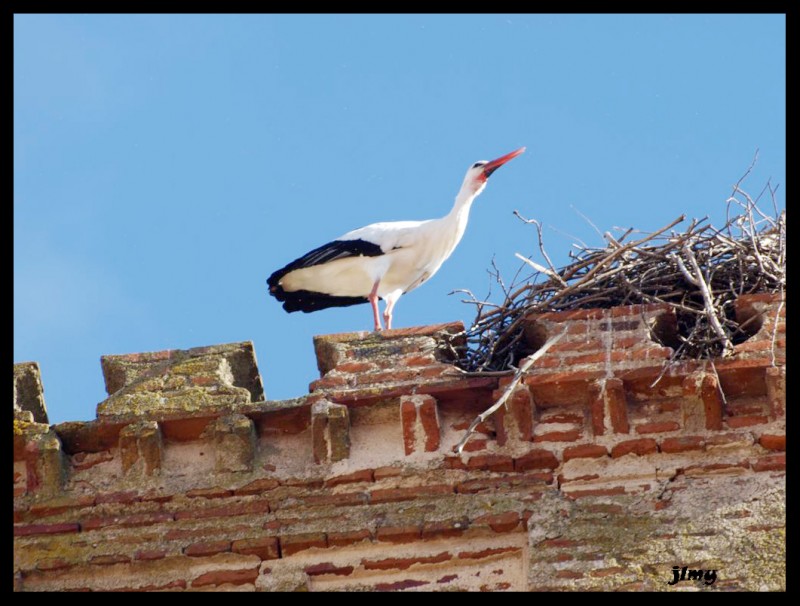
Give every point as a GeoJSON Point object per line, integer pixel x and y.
{"type": "Point", "coordinates": [478, 173]}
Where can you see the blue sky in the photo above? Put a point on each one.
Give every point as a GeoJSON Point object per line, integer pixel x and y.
{"type": "Point", "coordinates": [165, 165]}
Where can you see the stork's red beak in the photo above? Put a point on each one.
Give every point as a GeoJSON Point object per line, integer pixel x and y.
{"type": "Point", "coordinates": [495, 164]}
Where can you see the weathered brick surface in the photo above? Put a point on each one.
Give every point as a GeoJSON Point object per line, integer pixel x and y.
{"type": "Point", "coordinates": [592, 466]}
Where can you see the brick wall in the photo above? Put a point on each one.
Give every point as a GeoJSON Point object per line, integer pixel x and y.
{"type": "Point", "coordinates": [603, 472]}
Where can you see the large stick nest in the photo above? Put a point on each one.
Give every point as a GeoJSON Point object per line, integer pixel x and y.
{"type": "Point", "coordinates": [699, 272]}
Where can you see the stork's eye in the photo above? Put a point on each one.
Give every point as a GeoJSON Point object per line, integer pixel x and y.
{"type": "Point", "coordinates": [478, 164]}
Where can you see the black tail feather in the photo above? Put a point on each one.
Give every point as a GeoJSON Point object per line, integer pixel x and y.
{"type": "Point", "coordinates": [308, 301]}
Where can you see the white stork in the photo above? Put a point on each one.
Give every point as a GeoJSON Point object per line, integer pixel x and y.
{"type": "Point", "coordinates": [382, 260]}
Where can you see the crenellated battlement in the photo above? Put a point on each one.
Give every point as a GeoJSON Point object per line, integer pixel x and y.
{"type": "Point", "coordinates": [603, 471]}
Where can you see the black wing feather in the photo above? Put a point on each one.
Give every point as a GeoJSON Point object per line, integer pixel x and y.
{"type": "Point", "coordinates": [308, 301]}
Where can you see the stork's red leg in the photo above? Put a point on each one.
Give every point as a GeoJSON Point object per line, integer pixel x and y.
{"type": "Point", "coordinates": [373, 300]}
{"type": "Point", "coordinates": [387, 314]}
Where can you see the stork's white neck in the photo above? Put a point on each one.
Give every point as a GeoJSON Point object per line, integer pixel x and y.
{"type": "Point", "coordinates": [455, 222]}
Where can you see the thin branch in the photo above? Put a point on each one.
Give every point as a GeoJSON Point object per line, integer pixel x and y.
{"type": "Point", "coordinates": [508, 391]}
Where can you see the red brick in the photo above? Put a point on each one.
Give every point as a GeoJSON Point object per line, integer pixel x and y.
{"type": "Point", "coordinates": [430, 330]}
{"type": "Point", "coordinates": [728, 440]}
{"type": "Point", "coordinates": [636, 309]}
{"type": "Point", "coordinates": [303, 482]}
{"type": "Point", "coordinates": [761, 297]}
{"type": "Point", "coordinates": [429, 419]}
{"type": "Point", "coordinates": [381, 473]}
{"type": "Point", "coordinates": [562, 417]}
{"type": "Point", "coordinates": [48, 564]}
{"type": "Point", "coordinates": [568, 574]}
{"type": "Point", "coordinates": [209, 493]}
{"type": "Point", "coordinates": [682, 444]}
{"type": "Point", "coordinates": [29, 529]}
{"type": "Point", "coordinates": [435, 371]}
{"type": "Point", "coordinates": [152, 496]}
{"type": "Point", "coordinates": [398, 534]}
{"type": "Point", "coordinates": [299, 542]}
{"type": "Point", "coordinates": [234, 509]}
{"type": "Point", "coordinates": [408, 419]}
{"type": "Point", "coordinates": [150, 554]}
{"type": "Point", "coordinates": [136, 519]}
{"type": "Point", "coordinates": [627, 342]}
{"type": "Point", "coordinates": [585, 451]}
{"type": "Point", "coordinates": [389, 376]}
{"type": "Point", "coordinates": [60, 505]}
{"type": "Point", "coordinates": [221, 577]}
{"type": "Point", "coordinates": [404, 563]}
{"type": "Point", "coordinates": [486, 553]}
{"type": "Point", "coordinates": [453, 462]}
{"type": "Point", "coordinates": [746, 421]}
{"type": "Point", "coordinates": [549, 361]}
{"type": "Point", "coordinates": [713, 404]}
{"type": "Point", "coordinates": [765, 527]}
{"type": "Point", "coordinates": [206, 548]}
{"type": "Point", "coordinates": [339, 539]}
{"type": "Point", "coordinates": [363, 475]}
{"type": "Point", "coordinates": [388, 495]}
{"type": "Point", "coordinates": [620, 325]}
{"type": "Point", "coordinates": [328, 382]}
{"type": "Point", "coordinates": [356, 367]}
{"type": "Point", "coordinates": [536, 459]}
{"type": "Point", "coordinates": [561, 557]}
{"type": "Point", "coordinates": [491, 462]}
{"type": "Point", "coordinates": [475, 444]}
{"type": "Point", "coordinates": [572, 315]}
{"type": "Point", "coordinates": [327, 568]}
{"type": "Point", "coordinates": [607, 400]}
{"type": "Point", "coordinates": [343, 499]}
{"type": "Point", "coordinates": [515, 420]}
{"type": "Point", "coordinates": [591, 358]}
{"type": "Point", "coordinates": [445, 529]}
{"type": "Point", "coordinates": [755, 345]}
{"type": "Point", "coordinates": [657, 427]}
{"type": "Point", "coordinates": [596, 492]}
{"type": "Point", "coordinates": [589, 476]}
{"type": "Point", "coordinates": [642, 446]}
{"type": "Point", "coordinates": [493, 484]}
{"type": "Point", "coordinates": [716, 468]}
{"type": "Point", "coordinates": [265, 548]}
{"type": "Point", "coordinates": [604, 572]}
{"type": "Point", "coordinates": [570, 376]}
{"type": "Point", "coordinates": [20, 514]}
{"type": "Point", "coordinates": [559, 436]}
{"type": "Point", "coordinates": [85, 460]}
{"type": "Point", "coordinates": [257, 486]}
{"type": "Point", "coordinates": [107, 560]}
{"type": "Point", "coordinates": [500, 522]}
{"type": "Point", "coordinates": [573, 345]}
{"type": "Point", "coordinates": [772, 442]}
{"type": "Point", "coordinates": [400, 585]}
{"type": "Point", "coordinates": [483, 427]}
{"type": "Point", "coordinates": [419, 360]}
{"type": "Point", "coordinates": [776, 462]}
{"type": "Point", "coordinates": [655, 353]}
